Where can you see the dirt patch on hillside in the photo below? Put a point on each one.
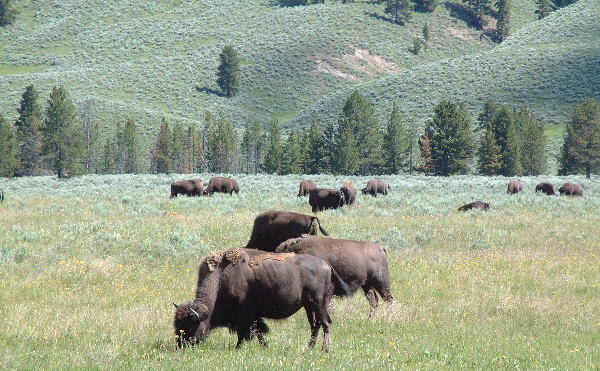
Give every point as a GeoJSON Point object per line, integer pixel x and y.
{"type": "Point", "coordinates": [355, 65]}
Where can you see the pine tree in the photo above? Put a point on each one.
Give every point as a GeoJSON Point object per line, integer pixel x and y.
{"type": "Point", "coordinates": [317, 151]}
{"type": "Point", "coordinates": [162, 159]}
{"type": "Point", "coordinates": [347, 154]}
{"type": "Point", "coordinates": [329, 147]}
{"type": "Point", "coordinates": [274, 149]}
{"type": "Point", "coordinates": [581, 147]}
{"type": "Point", "coordinates": [451, 141]}
{"type": "Point", "coordinates": [503, 26]}
{"type": "Point", "coordinates": [63, 142]}
{"type": "Point", "coordinates": [7, 12]}
{"type": "Point", "coordinates": [544, 7]}
{"type": "Point", "coordinates": [9, 150]}
{"type": "Point", "coordinates": [108, 158]}
{"type": "Point", "coordinates": [396, 144]}
{"type": "Point", "coordinates": [193, 151]}
{"type": "Point", "coordinates": [489, 154]}
{"type": "Point", "coordinates": [132, 147]}
{"type": "Point", "coordinates": [478, 9]}
{"type": "Point", "coordinates": [425, 5]}
{"type": "Point", "coordinates": [222, 146]}
{"type": "Point", "coordinates": [229, 71]}
{"type": "Point", "coordinates": [177, 148]}
{"type": "Point", "coordinates": [29, 126]}
{"type": "Point", "coordinates": [507, 137]}
{"type": "Point", "coordinates": [426, 34]}
{"type": "Point", "coordinates": [291, 154]}
{"type": "Point", "coordinates": [490, 108]}
{"type": "Point", "coordinates": [533, 151]}
{"type": "Point", "coordinates": [412, 135]}
{"type": "Point", "coordinates": [427, 165]}
{"type": "Point", "coordinates": [91, 134]}
{"type": "Point", "coordinates": [400, 10]}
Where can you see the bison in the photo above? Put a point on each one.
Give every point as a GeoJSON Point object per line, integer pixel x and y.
{"type": "Point", "coordinates": [222, 185]}
{"type": "Point", "coordinates": [359, 264]}
{"type": "Point", "coordinates": [274, 227]}
{"type": "Point", "coordinates": [545, 187]}
{"type": "Point", "coordinates": [475, 205]}
{"type": "Point", "coordinates": [515, 186]}
{"type": "Point", "coordinates": [305, 187]}
{"type": "Point", "coordinates": [192, 187]}
{"type": "Point", "coordinates": [349, 193]}
{"type": "Point", "coordinates": [1, 195]}
{"type": "Point", "coordinates": [571, 189]}
{"type": "Point", "coordinates": [322, 199]}
{"type": "Point", "coordinates": [237, 288]}
{"type": "Point", "coordinates": [376, 186]}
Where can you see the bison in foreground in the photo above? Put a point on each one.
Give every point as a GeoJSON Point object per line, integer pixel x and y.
{"type": "Point", "coordinates": [571, 189]}
{"type": "Point", "coordinates": [274, 227]}
{"type": "Point", "coordinates": [305, 187]}
{"type": "Point", "coordinates": [545, 187]}
{"type": "Point", "coordinates": [349, 193]}
{"type": "Point", "coordinates": [376, 186]}
{"type": "Point", "coordinates": [221, 184]}
{"type": "Point", "coordinates": [359, 264]}
{"type": "Point", "coordinates": [192, 187]}
{"type": "Point", "coordinates": [515, 186]}
{"type": "Point", "coordinates": [323, 199]}
{"type": "Point", "coordinates": [475, 205]}
{"type": "Point", "coordinates": [237, 288]}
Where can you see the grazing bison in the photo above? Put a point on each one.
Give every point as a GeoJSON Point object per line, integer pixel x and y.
{"type": "Point", "coordinates": [273, 227]}
{"type": "Point", "coordinates": [349, 193]}
{"type": "Point", "coordinates": [475, 205]}
{"type": "Point", "coordinates": [192, 187]}
{"type": "Point", "coordinates": [376, 186]}
{"type": "Point", "coordinates": [305, 187]}
{"type": "Point", "coordinates": [323, 199]}
{"type": "Point", "coordinates": [239, 288]}
{"type": "Point", "coordinates": [545, 187]}
{"type": "Point", "coordinates": [515, 186]}
{"type": "Point", "coordinates": [571, 189]}
{"type": "Point", "coordinates": [359, 264]}
{"type": "Point", "coordinates": [1, 195]}
{"type": "Point", "coordinates": [222, 185]}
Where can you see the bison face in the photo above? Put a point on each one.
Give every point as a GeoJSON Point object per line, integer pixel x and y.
{"type": "Point", "coordinates": [189, 318]}
{"type": "Point", "coordinates": [364, 191]}
{"type": "Point", "coordinates": [562, 190]}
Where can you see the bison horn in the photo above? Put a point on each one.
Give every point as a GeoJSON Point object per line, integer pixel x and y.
{"type": "Point", "coordinates": [176, 306]}
{"type": "Point", "coordinates": [196, 313]}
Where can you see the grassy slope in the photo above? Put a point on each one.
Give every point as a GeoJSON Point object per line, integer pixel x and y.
{"type": "Point", "coordinates": [89, 267]}
{"type": "Point", "coordinates": [155, 58]}
{"type": "Point", "coordinates": [549, 65]}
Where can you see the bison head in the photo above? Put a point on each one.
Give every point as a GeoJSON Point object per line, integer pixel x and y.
{"type": "Point", "coordinates": [365, 191]}
{"type": "Point", "coordinates": [190, 323]}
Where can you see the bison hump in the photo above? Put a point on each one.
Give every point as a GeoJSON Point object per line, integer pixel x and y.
{"type": "Point", "coordinates": [279, 257]}
{"type": "Point", "coordinates": [234, 255]}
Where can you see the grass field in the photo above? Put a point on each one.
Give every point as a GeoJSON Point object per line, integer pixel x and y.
{"type": "Point", "coordinates": [89, 267]}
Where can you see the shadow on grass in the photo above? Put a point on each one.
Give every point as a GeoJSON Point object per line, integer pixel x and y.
{"type": "Point", "coordinates": [382, 18]}
{"type": "Point", "coordinates": [463, 13]}
{"type": "Point", "coordinates": [208, 90]}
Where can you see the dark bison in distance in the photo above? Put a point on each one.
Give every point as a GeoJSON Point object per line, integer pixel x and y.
{"type": "Point", "coordinates": [322, 199]}
{"type": "Point", "coordinates": [571, 189]}
{"type": "Point", "coordinates": [376, 186]}
{"type": "Point", "coordinates": [274, 227]}
{"type": "Point", "coordinates": [359, 264]}
{"type": "Point", "coordinates": [192, 187]}
{"type": "Point", "coordinates": [305, 187]}
{"type": "Point", "coordinates": [221, 184]}
{"type": "Point", "coordinates": [349, 193]}
{"type": "Point", "coordinates": [1, 195]}
{"type": "Point", "coordinates": [238, 288]}
{"type": "Point", "coordinates": [475, 205]}
{"type": "Point", "coordinates": [515, 186]}
{"type": "Point", "coordinates": [545, 187]}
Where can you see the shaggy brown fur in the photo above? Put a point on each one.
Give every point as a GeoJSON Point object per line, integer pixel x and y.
{"type": "Point", "coordinates": [323, 199]}
{"type": "Point", "coordinates": [545, 187]}
{"type": "Point", "coordinates": [305, 187]}
{"type": "Point", "coordinates": [222, 185]}
{"type": "Point", "coordinates": [377, 186]}
{"type": "Point", "coordinates": [260, 258]}
{"type": "Point", "coordinates": [514, 186]}
{"type": "Point", "coordinates": [359, 264]}
{"type": "Point", "coordinates": [192, 187]}
{"type": "Point", "coordinates": [273, 227]}
{"type": "Point", "coordinates": [475, 205]}
{"type": "Point", "coordinates": [571, 189]}
{"type": "Point", "coordinates": [349, 193]}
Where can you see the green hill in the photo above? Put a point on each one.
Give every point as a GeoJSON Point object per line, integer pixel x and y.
{"type": "Point", "coordinates": [148, 59]}
{"type": "Point", "coordinates": [549, 65]}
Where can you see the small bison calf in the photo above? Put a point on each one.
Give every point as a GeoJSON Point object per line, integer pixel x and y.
{"type": "Point", "coordinates": [475, 205]}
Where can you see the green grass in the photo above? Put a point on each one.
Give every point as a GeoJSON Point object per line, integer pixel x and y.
{"type": "Point", "coordinates": [89, 267]}
{"type": "Point", "coordinates": [17, 70]}
{"type": "Point", "coordinates": [164, 53]}
{"type": "Point", "coordinates": [549, 65]}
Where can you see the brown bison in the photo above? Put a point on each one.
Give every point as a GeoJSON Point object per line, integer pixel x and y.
{"type": "Point", "coordinates": [274, 227]}
{"type": "Point", "coordinates": [305, 187]}
{"type": "Point", "coordinates": [571, 189]}
{"type": "Point", "coordinates": [545, 187]}
{"type": "Point", "coordinates": [192, 187]}
{"type": "Point", "coordinates": [515, 186]}
{"type": "Point", "coordinates": [376, 186]}
{"type": "Point", "coordinates": [475, 205]}
{"type": "Point", "coordinates": [359, 264]}
{"type": "Point", "coordinates": [221, 184]}
{"type": "Point", "coordinates": [349, 193]}
{"type": "Point", "coordinates": [237, 288]}
{"type": "Point", "coordinates": [323, 199]}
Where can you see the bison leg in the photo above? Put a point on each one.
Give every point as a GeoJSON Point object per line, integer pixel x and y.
{"type": "Point", "coordinates": [325, 320]}
{"type": "Point", "coordinates": [259, 328]}
{"type": "Point", "coordinates": [372, 298]}
{"type": "Point", "coordinates": [314, 326]}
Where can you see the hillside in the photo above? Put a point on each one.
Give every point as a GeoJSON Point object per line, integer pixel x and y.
{"type": "Point", "coordinates": [549, 65]}
{"type": "Point", "coordinates": [150, 59]}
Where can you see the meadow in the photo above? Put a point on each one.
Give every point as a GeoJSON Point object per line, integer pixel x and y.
{"type": "Point", "coordinates": [89, 267]}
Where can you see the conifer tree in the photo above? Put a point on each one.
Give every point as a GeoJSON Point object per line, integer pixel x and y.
{"type": "Point", "coordinates": [426, 35]}
{"type": "Point", "coordinates": [489, 154]}
{"type": "Point", "coordinates": [7, 12]}
{"type": "Point", "coordinates": [193, 151]}
{"type": "Point", "coordinates": [400, 10]}
{"type": "Point", "coordinates": [252, 148]}
{"type": "Point", "coordinates": [533, 143]}
{"type": "Point", "coordinates": [177, 148]}
{"type": "Point", "coordinates": [108, 165]}
{"type": "Point", "coordinates": [9, 150]}
{"type": "Point", "coordinates": [427, 165]}
{"type": "Point", "coordinates": [29, 126]}
{"type": "Point", "coordinates": [487, 115]}
{"type": "Point", "coordinates": [229, 71]}
{"type": "Point", "coordinates": [425, 5]}
{"type": "Point", "coordinates": [222, 146]}
{"type": "Point", "coordinates": [329, 146]}
{"type": "Point", "coordinates": [544, 7]}
{"type": "Point", "coordinates": [347, 154]}
{"type": "Point", "coordinates": [478, 9]}
{"type": "Point", "coordinates": [90, 135]}
{"type": "Point", "coordinates": [274, 149]}
{"type": "Point", "coordinates": [292, 152]}
{"type": "Point", "coordinates": [317, 151]}
{"type": "Point", "coordinates": [162, 159]}
{"type": "Point", "coordinates": [63, 139]}
{"type": "Point", "coordinates": [581, 147]}
{"type": "Point", "coordinates": [451, 141]}
{"type": "Point", "coordinates": [503, 26]}
{"type": "Point", "coordinates": [131, 147]}
{"type": "Point", "coordinates": [396, 144]}
{"type": "Point", "coordinates": [507, 137]}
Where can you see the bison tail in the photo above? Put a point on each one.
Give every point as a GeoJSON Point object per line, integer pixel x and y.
{"type": "Point", "coordinates": [323, 230]}
{"type": "Point", "coordinates": [340, 287]}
